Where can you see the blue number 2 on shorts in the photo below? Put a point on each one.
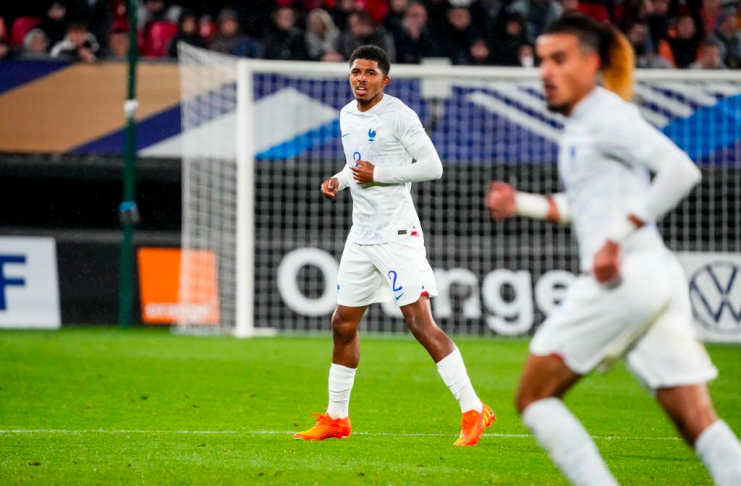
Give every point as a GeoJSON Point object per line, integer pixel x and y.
{"type": "Point", "coordinates": [393, 276]}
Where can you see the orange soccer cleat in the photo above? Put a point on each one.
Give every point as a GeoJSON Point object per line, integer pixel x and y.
{"type": "Point", "coordinates": [473, 425]}
{"type": "Point", "coordinates": [326, 428]}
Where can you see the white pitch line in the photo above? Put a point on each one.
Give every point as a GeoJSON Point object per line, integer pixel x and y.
{"type": "Point", "coordinates": [289, 432]}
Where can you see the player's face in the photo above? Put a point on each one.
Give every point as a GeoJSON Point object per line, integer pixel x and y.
{"type": "Point", "coordinates": [568, 70]}
{"type": "Point", "coordinates": [367, 82]}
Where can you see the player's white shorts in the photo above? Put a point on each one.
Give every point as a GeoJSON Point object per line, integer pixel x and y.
{"type": "Point", "coordinates": [397, 270]}
{"type": "Point", "coordinates": [647, 318]}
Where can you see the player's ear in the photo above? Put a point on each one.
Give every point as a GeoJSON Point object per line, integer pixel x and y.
{"type": "Point", "coordinates": [386, 81]}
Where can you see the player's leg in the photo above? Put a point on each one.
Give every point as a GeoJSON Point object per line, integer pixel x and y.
{"type": "Point", "coordinates": [358, 285]}
{"type": "Point", "coordinates": [418, 316]}
{"type": "Point", "coordinates": [412, 282]}
{"type": "Point", "coordinates": [476, 415]}
{"type": "Point", "coordinates": [593, 327]}
{"type": "Point", "coordinates": [670, 360]}
{"type": "Point", "coordinates": [691, 409]}
{"type": "Point", "coordinates": [345, 358]}
{"type": "Point", "coordinates": [544, 382]}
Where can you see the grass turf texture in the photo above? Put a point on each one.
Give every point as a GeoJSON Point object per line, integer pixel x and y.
{"type": "Point", "coordinates": [112, 407]}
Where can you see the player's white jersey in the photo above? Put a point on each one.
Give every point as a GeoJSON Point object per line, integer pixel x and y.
{"type": "Point", "coordinates": [385, 136]}
{"type": "Point", "coordinates": [604, 156]}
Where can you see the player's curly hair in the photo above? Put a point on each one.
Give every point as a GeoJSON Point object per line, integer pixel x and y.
{"type": "Point", "coordinates": [372, 53]}
{"type": "Point", "coordinates": [617, 59]}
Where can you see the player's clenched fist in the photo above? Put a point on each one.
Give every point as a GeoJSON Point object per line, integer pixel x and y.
{"type": "Point", "coordinates": [501, 200]}
{"type": "Point", "coordinates": [607, 263]}
{"type": "Point", "coordinates": [330, 188]}
{"type": "Point", "coordinates": [362, 172]}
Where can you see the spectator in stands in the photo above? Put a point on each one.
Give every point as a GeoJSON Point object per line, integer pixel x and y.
{"type": "Point", "coordinates": [538, 14]}
{"type": "Point", "coordinates": [395, 17]}
{"type": "Point", "coordinates": [658, 20]}
{"type": "Point", "coordinates": [683, 48]}
{"type": "Point", "coordinates": [437, 15]}
{"type": "Point", "coordinates": [151, 11]}
{"type": "Point", "coordinates": [35, 45]}
{"type": "Point", "coordinates": [254, 16]}
{"type": "Point", "coordinates": [377, 9]}
{"type": "Point", "coordinates": [710, 56]}
{"type": "Point", "coordinates": [77, 45]}
{"type": "Point", "coordinates": [570, 5]}
{"type": "Point", "coordinates": [322, 37]}
{"type": "Point", "coordinates": [96, 14]}
{"type": "Point", "coordinates": [341, 12]}
{"type": "Point", "coordinates": [507, 48]}
{"type": "Point", "coordinates": [361, 31]}
{"type": "Point", "coordinates": [412, 38]}
{"type": "Point", "coordinates": [485, 15]}
{"type": "Point", "coordinates": [229, 40]}
{"type": "Point", "coordinates": [118, 40]}
{"type": "Point", "coordinates": [187, 32]}
{"type": "Point", "coordinates": [457, 39]}
{"type": "Point", "coordinates": [4, 48]}
{"type": "Point", "coordinates": [54, 22]}
{"type": "Point", "coordinates": [480, 54]}
{"type": "Point", "coordinates": [728, 40]}
{"type": "Point", "coordinates": [708, 16]}
{"type": "Point", "coordinates": [526, 53]}
{"type": "Point", "coordinates": [285, 41]}
{"type": "Point", "coordinates": [645, 53]}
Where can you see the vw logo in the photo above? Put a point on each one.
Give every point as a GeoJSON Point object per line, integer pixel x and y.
{"type": "Point", "coordinates": [715, 293]}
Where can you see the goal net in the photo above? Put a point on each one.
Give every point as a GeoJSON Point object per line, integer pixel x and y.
{"type": "Point", "coordinates": [260, 137]}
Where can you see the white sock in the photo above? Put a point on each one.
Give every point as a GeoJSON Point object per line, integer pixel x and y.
{"type": "Point", "coordinates": [454, 375]}
{"type": "Point", "coordinates": [341, 379]}
{"type": "Point", "coordinates": [720, 450]}
{"type": "Point", "coordinates": [567, 442]}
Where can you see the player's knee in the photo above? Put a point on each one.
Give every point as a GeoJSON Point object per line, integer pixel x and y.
{"type": "Point", "coordinates": [343, 329]}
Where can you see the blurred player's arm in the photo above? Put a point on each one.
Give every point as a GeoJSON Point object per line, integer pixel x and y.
{"type": "Point", "coordinates": [504, 202]}
{"type": "Point", "coordinates": [675, 175]}
{"type": "Point", "coordinates": [639, 143]}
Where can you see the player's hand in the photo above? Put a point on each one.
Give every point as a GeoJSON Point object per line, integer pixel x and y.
{"type": "Point", "coordinates": [363, 172]}
{"type": "Point", "coordinates": [607, 263]}
{"type": "Point", "coordinates": [501, 200]}
{"type": "Point", "coordinates": [330, 188]}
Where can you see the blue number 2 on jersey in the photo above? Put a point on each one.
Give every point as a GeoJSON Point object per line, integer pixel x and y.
{"type": "Point", "coordinates": [393, 276]}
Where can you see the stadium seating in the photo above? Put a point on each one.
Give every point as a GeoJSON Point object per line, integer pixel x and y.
{"type": "Point", "coordinates": [20, 28]}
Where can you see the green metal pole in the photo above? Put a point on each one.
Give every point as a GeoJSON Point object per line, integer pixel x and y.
{"type": "Point", "coordinates": [128, 212]}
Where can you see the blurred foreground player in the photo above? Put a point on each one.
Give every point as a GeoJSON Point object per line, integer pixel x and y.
{"type": "Point", "coordinates": [631, 299]}
{"type": "Point", "coordinates": [384, 256]}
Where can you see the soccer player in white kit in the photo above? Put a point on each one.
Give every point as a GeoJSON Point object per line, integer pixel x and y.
{"type": "Point", "coordinates": [632, 297]}
{"type": "Point", "coordinates": [384, 256]}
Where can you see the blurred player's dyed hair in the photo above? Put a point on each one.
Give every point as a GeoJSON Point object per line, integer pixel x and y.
{"type": "Point", "coordinates": [615, 52]}
{"type": "Point", "coordinates": [373, 53]}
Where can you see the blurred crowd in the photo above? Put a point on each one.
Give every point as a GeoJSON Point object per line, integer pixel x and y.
{"type": "Point", "coordinates": [697, 34]}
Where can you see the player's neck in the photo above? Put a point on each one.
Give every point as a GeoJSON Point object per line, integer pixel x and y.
{"type": "Point", "coordinates": [371, 103]}
{"type": "Point", "coordinates": [580, 101]}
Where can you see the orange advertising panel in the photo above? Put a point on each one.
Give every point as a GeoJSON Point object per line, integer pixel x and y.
{"type": "Point", "coordinates": [159, 284]}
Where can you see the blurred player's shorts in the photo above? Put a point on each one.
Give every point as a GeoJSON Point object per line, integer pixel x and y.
{"type": "Point", "coordinates": [647, 318]}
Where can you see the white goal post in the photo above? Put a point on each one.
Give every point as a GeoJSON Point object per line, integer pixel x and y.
{"type": "Point", "coordinates": [261, 246]}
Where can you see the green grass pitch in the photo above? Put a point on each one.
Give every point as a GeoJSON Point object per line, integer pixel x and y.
{"type": "Point", "coordinates": [89, 406]}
